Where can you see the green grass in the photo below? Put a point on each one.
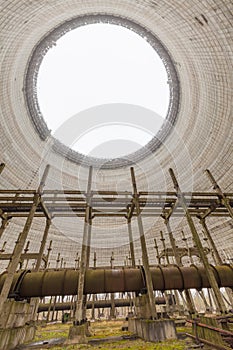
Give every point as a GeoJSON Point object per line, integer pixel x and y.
{"type": "Point", "coordinates": [137, 344]}
{"type": "Point", "coordinates": [51, 331]}
{"type": "Point", "coordinates": [184, 330]}
{"type": "Point", "coordinates": [104, 329]}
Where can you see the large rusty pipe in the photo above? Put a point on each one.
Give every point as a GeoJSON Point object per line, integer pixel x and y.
{"type": "Point", "coordinates": [99, 304]}
{"type": "Point", "coordinates": [64, 282]}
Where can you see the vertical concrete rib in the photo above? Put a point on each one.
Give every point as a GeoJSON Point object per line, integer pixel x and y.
{"type": "Point", "coordinates": [83, 263]}
{"type": "Point", "coordinates": [149, 283]}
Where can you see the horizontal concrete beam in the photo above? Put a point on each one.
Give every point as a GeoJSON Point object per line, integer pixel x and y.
{"type": "Point", "coordinates": [65, 282]}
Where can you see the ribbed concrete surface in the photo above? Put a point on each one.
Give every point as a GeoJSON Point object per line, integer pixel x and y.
{"type": "Point", "coordinates": [198, 35]}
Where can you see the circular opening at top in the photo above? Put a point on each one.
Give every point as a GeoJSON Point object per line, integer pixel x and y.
{"type": "Point", "coordinates": [84, 81]}
{"type": "Point", "coordinates": [100, 64]}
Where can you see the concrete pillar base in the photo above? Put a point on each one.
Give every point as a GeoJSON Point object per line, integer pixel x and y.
{"type": "Point", "coordinates": [16, 324]}
{"type": "Point", "coordinates": [11, 337]}
{"type": "Point", "coordinates": [112, 317]}
{"type": "Point", "coordinates": [142, 306]}
{"type": "Point", "coordinates": [78, 334]}
{"type": "Point", "coordinates": [153, 330]}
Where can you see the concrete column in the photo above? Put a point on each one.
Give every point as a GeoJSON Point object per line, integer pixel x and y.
{"type": "Point", "coordinates": [202, 295]}
{"type": "Point", "coordinates": [83, 263]}
{"type": "Point", "coordinates": [213, 246]}
{"type": "Point", "coordinates": [149, 283]}
{"type": "Point", "coordinates": [93, 307]}
{"type": "Point", "coordinates": [167, 259]}
{"type": "Point", "coordinates": [217, 257]}
{"type": "Point", "coordinates": [88, 260]}
{"type": "Point", "coordinates": [172, 242]}
{"type": "Point", "coordinates": [49, 310]}
{"type": "Point", "coordinates": [131, 245]}
{"type": "Point", "coordinates": [191, 259]}
{"type": "Point", "coordinates": [188, 296]}
{"type": "Point", "coordinates": [17, 252]}
{"type": "Point", "coordinates": [89, 238]}
{"type": "Point", "coordinates": [225, 201]}
{"type": "Point", "coordinates": [5, 222]}
{"type": "Point", "coordinates": [43, 243]}
{"type": "Point", "coordinates": [26, 249]}
{"type": "Point", "coordinates": [112, 309]}
{"type": "Point", "coordinates": [158, 260]}
{"type": "Point", "coordinates": [21, 242]}
{"type": "Point", "coordinates": [54, 308]}
{"type": "Point", "coordinates": [209, 272]}
{"type": "Point", "coordinates": [210, 299]}
{"type": "Point", "coordinates": [188, 249]}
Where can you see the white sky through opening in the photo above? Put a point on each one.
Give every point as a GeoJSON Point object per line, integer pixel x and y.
{"type": "Point", "coordinates": [101, 64]}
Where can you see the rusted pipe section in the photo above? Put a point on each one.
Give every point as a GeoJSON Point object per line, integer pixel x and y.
{"type": "Point", "coordinates": [216, 329]}
{"type": "Point", "coordinates": [64, 282]}
{"type": "Point", "coordinates": [99, 304]}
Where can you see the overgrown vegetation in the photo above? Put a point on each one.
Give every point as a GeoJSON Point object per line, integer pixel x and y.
{"type": "Point", "coordinates": [104, 329]}
{"type": "Point", "coordinates": [137, 344]}
{"type": "Point", "coordinates": [51, 331]}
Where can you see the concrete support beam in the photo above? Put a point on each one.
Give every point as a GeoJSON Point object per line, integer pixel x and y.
{"type": "Point", "coordinates": [20, 243]}
{"type": "Point", "coordinates": [187, 247]}
{"type": "Point", "coordinates": [43, 243]}
{"type": "Point", "coordinates": [17, 252]}
{"type": "Point", "coordinates": [4, 224]}
{"type": "Point", "coordinates": [188, 296]}
{"type": "Point", "coordinates": [209, 271]}
{"type": "Point", "coordinates": [112, 308]}
{"type": "Point", "coordinates": [88, 259]}
{"type": "Point", "coordinates": [145, 260]}
{"type": "Point", "coordinates": [222, 196]}
{"type": "Point", "coordinates": [83, 263]}
{"type": "Point", "coordinates": [131, 245]}
{"type": "Point", "coordinates": [213, 246]}
{"type": "Point", "coordinates": [217, 257]}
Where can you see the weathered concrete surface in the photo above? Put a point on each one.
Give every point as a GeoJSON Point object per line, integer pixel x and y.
{"type": "Point", "coordinates": [17, 323]}
{"type": "Point", "coordinates": [142, 306]}
{"type": "Point", "coordinates": [11, 337]}
{"type": "Point", "coordinates": [78, 334]}
{"type": "Point", "coordinates": [15, 314]}
{"type": "Point", "coordinates": [153, 331]}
